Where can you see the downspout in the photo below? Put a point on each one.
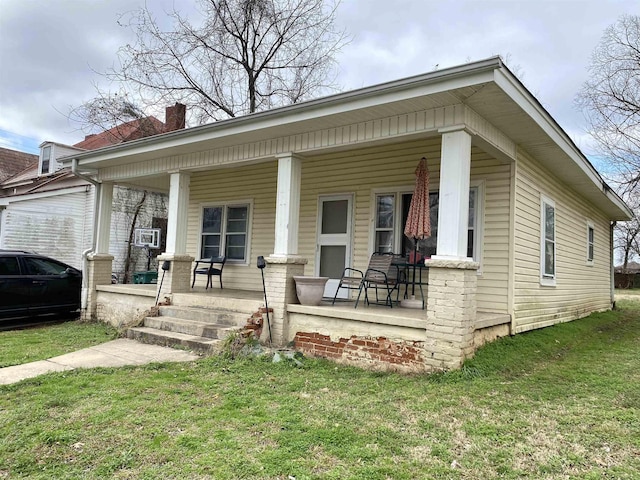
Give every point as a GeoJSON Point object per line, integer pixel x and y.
{"type": "Point", "coordinates": [613, 278]}
{"type": "Point", "coordinates": [96, 211]}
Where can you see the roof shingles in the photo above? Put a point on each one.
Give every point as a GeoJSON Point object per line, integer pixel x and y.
{"type": "Point", "coordinates": [13, 162]}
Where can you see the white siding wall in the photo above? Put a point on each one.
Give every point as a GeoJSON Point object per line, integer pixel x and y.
{"type": "Point", "coordinates": [580, 288]}
{"type": "Point", "coordinates": [53, 226]}
{"type": "Point", "coordinates": [124, 203]}
{"type": "Point", "coordinates": [358, 172]}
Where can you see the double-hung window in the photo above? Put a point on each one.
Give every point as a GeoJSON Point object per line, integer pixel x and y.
{"type": "Point", "coordinates": [385, 213]}
{"type": "Point", "coordinates": [225, 231]}
{"type": "Point", "coordinates": [46, 160]}
{"type": "Point", "coordinates": [392, 210]}
{"type": "Point", "coordinates": [548, 242]}
{"type": "Point", "coordinates": [590, 243]}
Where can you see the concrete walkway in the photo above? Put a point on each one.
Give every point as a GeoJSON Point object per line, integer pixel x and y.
{"type": "Point", "coordinates": [116, 353]}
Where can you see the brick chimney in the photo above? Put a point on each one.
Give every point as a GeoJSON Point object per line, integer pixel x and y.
{"type": "Point", "coordinates": [175, 117]}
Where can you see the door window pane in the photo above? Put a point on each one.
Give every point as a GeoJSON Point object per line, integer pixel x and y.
{"type": "Point", "coordinates": [332, 260]}
{"type": "Point", "coordinates": [335, 214]}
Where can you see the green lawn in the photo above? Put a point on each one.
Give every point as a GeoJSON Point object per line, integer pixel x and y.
{"type": "Point", "coordinates": [40, 343]}
{"type": "Point", "coordinates": [558, 403]}
{"type": "Point", "coordinates": [627, 292]}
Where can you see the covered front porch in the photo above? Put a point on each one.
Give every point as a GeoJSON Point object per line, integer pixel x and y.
{"type": "Point", "coordinates": [320, 187]}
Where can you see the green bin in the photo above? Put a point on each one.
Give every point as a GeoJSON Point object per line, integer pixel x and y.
{"type": "Point", "coordinates": [145, 277]}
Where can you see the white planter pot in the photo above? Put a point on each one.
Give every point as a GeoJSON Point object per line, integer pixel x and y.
{"type": "Point", "coordinates": [310, 289]}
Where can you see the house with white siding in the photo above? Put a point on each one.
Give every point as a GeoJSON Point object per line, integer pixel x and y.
{"type": "Point", "coordinates": [522, 222]}
{"type": "Point", "coordinates": [50, 210]}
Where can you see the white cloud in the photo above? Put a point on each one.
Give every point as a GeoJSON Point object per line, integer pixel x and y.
{"type": "Point", "coordinates": [51, 48]}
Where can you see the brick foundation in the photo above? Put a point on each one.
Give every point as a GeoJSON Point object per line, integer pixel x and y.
{"type": "Point", "coordinates": [372, 353]}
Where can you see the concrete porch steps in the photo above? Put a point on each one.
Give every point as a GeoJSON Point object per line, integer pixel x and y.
{"type": "Point", "coordinates": [189, 326]}
{"type": "Point", "coordinates": [206, 315]}
{"type": "Point", "coordinates": [200, 329]}
{"type": "Point", "coordinates": [154, 336]}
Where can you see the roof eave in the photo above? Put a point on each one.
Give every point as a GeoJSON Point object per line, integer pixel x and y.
{"type": "Point", "coordinates": [338, 103]}
{"type": "Point", "coordinates": [510, 84]}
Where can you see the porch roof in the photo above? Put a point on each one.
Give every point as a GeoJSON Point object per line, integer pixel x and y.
{"type": "Point", "coordinates": [486, 87]}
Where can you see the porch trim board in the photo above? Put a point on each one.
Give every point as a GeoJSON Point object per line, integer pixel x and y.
{"type": "Point", "coordinates": [418, 123]}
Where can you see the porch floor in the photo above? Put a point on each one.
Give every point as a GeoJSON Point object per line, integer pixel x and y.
{"type": "Point", "coordinates": [408, 317]}
{"type": "Point", "coordinates": [381, 314]}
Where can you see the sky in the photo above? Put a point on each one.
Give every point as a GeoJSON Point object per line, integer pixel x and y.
{"type": "Point", "coordinates": [50, 51]}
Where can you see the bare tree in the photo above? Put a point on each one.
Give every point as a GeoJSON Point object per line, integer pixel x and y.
{"type": "Point", "coordinates": [243, 56]}
{"type": "Point", "coordinates": [627, 234]}
{"type": "Point", "coordinates": [610, 99]}
{"type": "Point", "coordinates": [113, 111]}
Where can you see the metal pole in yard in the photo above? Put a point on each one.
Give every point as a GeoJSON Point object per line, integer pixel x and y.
{"type": "Point", "coordinates": [261, 264]}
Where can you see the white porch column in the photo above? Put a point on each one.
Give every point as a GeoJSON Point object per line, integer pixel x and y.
{"type": "Point", "coordinates": [287, 206]}
{"type": "Point", "coordinates": [98, 268]}
{"type": "Point", "coordinates": [285, 263]}
{"type": "Point", "coordinates": [453, 213]}
{"type": "Point", "coordinates": [178, 210]}
{"type": "Point", "coordinates": [176, 278]}
{"type": "Point", "coordinates": [104, 218]}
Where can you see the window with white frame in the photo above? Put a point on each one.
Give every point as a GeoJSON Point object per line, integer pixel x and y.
{"type": "Point", "coordinates": [590, 243]}
{"type": "Point", "coordinates": [384, 223]}
{"type": "Point", "coordinates": [548, 242]}
{"type": "Point", "coordinates": [392, 210]}
{"type": "Point", "coordinates": [46, 160]}
{"type": "Point", "coordinates": [225, 231]}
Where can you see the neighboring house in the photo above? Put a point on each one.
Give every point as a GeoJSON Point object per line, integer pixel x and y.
{"type": "Point", "coordinates": [627, 277]}
{"type": "Point", "coordinates": [13, 162]}
{"type": "Point", "coordinates": [521, 239]}
{"type": "Point", "coordinates": [48, 209]}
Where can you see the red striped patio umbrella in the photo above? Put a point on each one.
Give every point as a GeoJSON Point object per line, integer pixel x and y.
{"type": "Point", "coordinates": [418, 224]}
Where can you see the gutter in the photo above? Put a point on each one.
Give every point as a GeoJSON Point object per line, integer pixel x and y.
{"type": "Point", "coordinates": [613, 277]}
{"type": "Point", "coordinates": [96, 211]}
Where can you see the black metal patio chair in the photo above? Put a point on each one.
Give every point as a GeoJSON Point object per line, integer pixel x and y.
{"type": "Point", "coordinates": [383, 271]}
{"type": "Point", "coordinates": [213, 268]}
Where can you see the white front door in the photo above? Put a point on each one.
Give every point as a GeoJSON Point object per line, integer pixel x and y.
{"type": "Point", "coordinates": [333, 251]}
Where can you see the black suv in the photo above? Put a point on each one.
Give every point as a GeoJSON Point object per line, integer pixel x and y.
{"type": "Point", "coordinates": [33, 285]}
